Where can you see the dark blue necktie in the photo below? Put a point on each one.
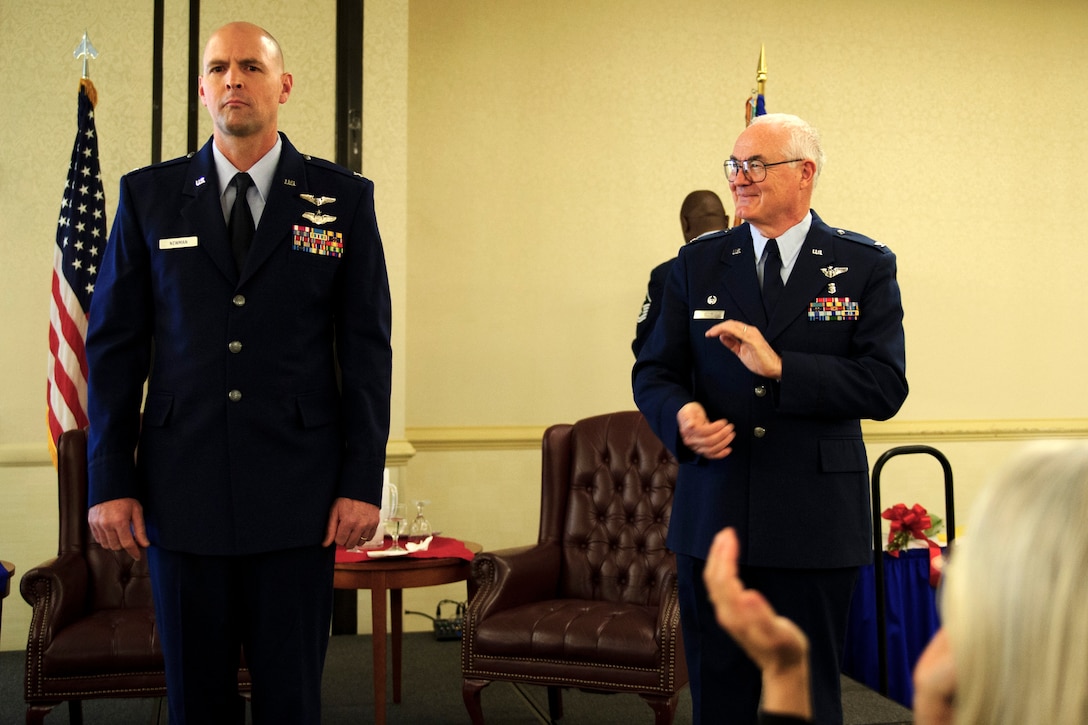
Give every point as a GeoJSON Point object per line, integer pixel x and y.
{"type": "Point", "coordinates": [772, 276]}
{"type": "Point", "coordinates": [240, 227]}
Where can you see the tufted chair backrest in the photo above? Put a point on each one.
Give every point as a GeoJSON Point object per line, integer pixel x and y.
{"type": "Point", "coordinates": [607, 496]}
{"type": "Point", "coordinates": [115, 579]}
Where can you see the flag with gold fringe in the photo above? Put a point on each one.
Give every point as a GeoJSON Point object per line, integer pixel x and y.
{"type": "Point", "coordinates": [81, 238]}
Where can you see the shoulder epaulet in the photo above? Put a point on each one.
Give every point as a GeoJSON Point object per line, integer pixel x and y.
{"type": "Point", "coordinates": [164, 164]}
{"type": "Point", "coordinates": [860, 239]}
{"type": "Point", "coordinates": [330, 166]}
{"type": "Point", "coordinates": [721, 234]}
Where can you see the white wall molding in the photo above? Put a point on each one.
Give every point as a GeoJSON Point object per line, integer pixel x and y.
{"type": "Point", "coordinates": [527, 437]}
{"type": "Point", "coordinates": [487, 438]}
{"type": "Point", "coordinates": [397, 453]}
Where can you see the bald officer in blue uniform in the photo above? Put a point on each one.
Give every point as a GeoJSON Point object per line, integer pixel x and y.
{"type": "Point", "coordinates": [761, 402]}
{"type": "Point", "coordinates": [261, 440]}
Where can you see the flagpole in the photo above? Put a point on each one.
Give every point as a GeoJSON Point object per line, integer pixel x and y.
{"type": "Point", "coordinates": [756, 105]}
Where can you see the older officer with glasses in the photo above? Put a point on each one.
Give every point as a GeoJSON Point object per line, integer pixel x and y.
{"type": "Point", "coordinates": [775, 339]}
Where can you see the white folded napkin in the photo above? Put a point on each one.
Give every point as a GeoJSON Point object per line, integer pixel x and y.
{"type": "Point", "coordinates": [379, 553]}
{"type": "Point", "coordinates": [421, 546]}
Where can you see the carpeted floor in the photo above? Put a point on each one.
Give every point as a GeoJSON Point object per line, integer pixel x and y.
{"type": "Point", "coordinates": [431, 688]}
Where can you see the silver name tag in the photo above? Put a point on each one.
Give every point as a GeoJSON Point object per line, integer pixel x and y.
{"type": "Point", "coordinates": [177, 242]}
{"type": "Point", "coordinates": [708, 315]}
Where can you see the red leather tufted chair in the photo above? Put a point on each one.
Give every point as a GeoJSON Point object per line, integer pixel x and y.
{"type": "Point", "coordinates": [92, 632]}
{"type": "Point", "coordinates": [593, 604]}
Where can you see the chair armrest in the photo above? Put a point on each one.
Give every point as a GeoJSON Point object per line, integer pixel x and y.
{"type": "Point", "coordinates": [512, 577]}
{"type": "Point", "coordinates": [57, 591]}
{"type": "Point", "coordinates": [668, 602]}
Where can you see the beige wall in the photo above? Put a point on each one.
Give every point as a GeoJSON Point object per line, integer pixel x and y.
{"type": "Point", "coordinates": [530, 159]}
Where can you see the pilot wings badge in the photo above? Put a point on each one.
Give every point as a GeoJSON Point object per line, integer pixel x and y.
{"type": "Point", "coordinates": [317, 200]}
{"type": "Point", "coordinates": [830, 272]}
{"type": "Point", "coordinates": [318, 218]}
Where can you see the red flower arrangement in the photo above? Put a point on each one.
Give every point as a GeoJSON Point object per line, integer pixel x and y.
{"type": "Point", "coordinates": [912, 523]}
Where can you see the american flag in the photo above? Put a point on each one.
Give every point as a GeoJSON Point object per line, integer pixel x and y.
{"type": "Point", "coordinates": [81, 238]}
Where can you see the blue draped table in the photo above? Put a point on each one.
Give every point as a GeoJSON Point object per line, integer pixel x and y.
{"type": "Point", "coordinates": [911, 619]}
{"type": "Point", "coordinates": [7, 569]}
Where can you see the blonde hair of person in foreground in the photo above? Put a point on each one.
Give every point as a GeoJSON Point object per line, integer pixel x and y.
{"type": "Point", "coordinates": [1014, 604]}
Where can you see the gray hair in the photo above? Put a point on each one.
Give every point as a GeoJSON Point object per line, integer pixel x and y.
{"type": "Point", "coordinates": [804, 139]}
{"type": "Point", "coordinates": [1014, 599]}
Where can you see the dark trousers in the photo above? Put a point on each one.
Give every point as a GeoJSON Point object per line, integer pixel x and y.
{"type": "Point", "coordinates": [277, 606]}
{"type": "Point", "coordinates": [725, 684]}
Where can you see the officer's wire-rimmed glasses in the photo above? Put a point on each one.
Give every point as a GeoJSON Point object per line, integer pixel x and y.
{"type": "Point", "coordinates": [754, 170]}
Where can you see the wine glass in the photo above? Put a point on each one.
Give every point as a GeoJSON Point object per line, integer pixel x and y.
{"type": "Point", "coordinates": [421, 527]}
{"type": "Point", "coordinates": [394, 524]}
